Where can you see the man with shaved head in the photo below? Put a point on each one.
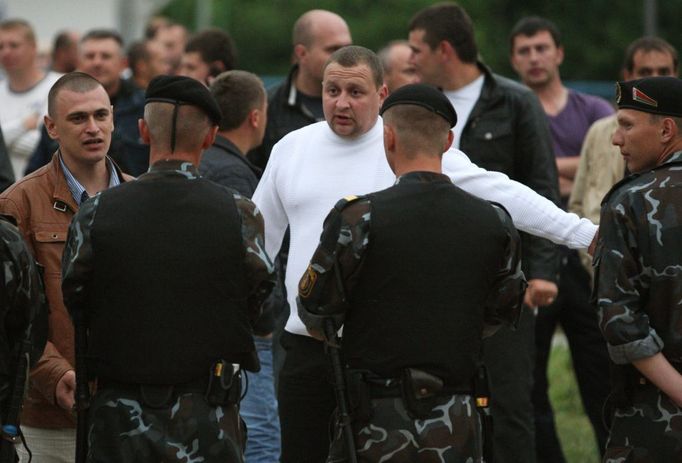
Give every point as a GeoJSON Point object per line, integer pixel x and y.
{"type": "Point", "coordinates": [80, 119]}
{"type": "Point", "coordinates": [297, 101]}
{"type": "Point", "coordinates": [172, 266]}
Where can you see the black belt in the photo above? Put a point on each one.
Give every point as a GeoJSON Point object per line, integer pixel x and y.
{"type": "Point", "coordinates": [198, 385]}
{"type": "Point", "coordinates": [392, 387]}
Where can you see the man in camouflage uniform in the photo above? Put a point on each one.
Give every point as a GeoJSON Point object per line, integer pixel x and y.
{"type": "Point", "coordinates": [168, 275]}
{"type": "Point", "coordinates": [23, 326]}
{"type": "Point", "coordinates": [388, 267]}
{"type": "Point", "coordinates": [638, 274]}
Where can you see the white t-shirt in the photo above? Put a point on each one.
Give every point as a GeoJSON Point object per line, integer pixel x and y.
{"type": "Point", "coordinates": [310, 169]}
{"type": "Point", "coordinates": [14, 108]}
{"type": "Point", "coordinates": [464, 99]}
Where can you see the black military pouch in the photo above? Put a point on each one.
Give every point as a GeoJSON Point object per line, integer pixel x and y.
{"type": "Point", "coordinates": [224, 384]}
{"type": "Point", "coordinates": [420, 392]}
{"type": "Point", "coordinates": [359, 396]}
{"type": "Point", "coordinates": [482, 396]}
{"type": "Point", "coordinates": [156, 396]}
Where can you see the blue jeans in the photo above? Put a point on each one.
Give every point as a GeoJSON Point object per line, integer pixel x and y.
{"type": "Point", "coordinates": [259, 409]}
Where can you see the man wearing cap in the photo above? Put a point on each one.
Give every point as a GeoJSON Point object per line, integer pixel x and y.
{"type": "Point", "coordinates": [309, 170]}
{"type": "Point", "coordinates": [423, 243]}
{"type": "Point", "coordinates": [638, 274]}
{"type": "Point", "coordinates": [168, 275]}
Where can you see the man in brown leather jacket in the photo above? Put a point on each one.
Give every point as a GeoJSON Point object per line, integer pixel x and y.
{"type": "Point", "coordinates": [80, 118]}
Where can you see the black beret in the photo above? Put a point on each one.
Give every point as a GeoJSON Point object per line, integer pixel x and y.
{"type": "Point", "coordinates": [183, 91]}
{"type": "Point", "coordinates": [426, 96]}
{"type": "Point", "coordinates": [656, 95]}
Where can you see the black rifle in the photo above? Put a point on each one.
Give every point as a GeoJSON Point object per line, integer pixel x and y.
{"type": "Point", "coordinates": [10, 427]}
{"type": "Point", "coordinates": [82, 391]}
{"type": "Point", "coordinates": [340, 387]}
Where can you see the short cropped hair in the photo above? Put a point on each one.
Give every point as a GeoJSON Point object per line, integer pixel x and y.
{"type": "Point", "coordinates": [19, 24]}
{"type": "Point", "coordinates": [102, 34]}
{"type": "Point", "coordinates": [137, 53]}
{"type": "Point", "coordinates": [385, 52]}
{"type": "Point", "coordinates": [447, 22]}
{"type": "Point", "coordinates": [531, 25]}
{"type": "Point", "coordinates": [647, 44]}
{"type": "Point", "coordinates": [417, 128]}
{"type": "Point", "coordinates": [214, 44]}
{"type": "Point", "coordinates": [237, 94]}
{"type": "Point", "coordinates": [355, 55]}
{"type": "Point", "coordinates": [76, 81]}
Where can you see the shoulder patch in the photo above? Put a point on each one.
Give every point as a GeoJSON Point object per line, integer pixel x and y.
{"type": "Point", "coordinates": [342, 203]}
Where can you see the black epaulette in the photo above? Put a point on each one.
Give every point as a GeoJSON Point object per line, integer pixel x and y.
{"type": "Point", "coordinates": [346, 200]}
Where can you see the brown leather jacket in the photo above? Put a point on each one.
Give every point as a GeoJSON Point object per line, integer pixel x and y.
{"type": "Point", "coordinates": [42, 206]}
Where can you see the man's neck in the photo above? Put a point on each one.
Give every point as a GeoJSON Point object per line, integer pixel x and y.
{"type": "Point", "coordinates": [22, 80]}
{"type": "Point", "coordinates": [460, 75]}
{"type": "Point", "coordinates": [417, 163]}
{"type": "Point", "coordinates": [182, 156]}
{"type": "Point", "coordinates": [240, 139]}
{"type": "Point", "coordinates": [93, 177]}
{"type": "Point", "coordinates": [306, 84]}
{"type": "Point", "coordinates": [553, 96]}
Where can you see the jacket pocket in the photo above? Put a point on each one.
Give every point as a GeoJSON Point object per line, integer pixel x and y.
{"type": "Point", "coordinates": [490, 144]}
{"type": "Point", "coordinates": [49, 246]}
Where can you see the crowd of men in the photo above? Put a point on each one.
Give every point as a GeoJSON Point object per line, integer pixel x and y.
{"type": "Point", "coordinates": [366, 262]}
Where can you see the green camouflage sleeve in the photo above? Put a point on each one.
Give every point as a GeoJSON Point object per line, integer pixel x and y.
{"type": "Point", "coordinates": [260, 271]}
{"type": "Point", "coordinates": [23, 308]}
{"type": "Point", "coordinates": [333, 270]}
{"type": "Point", "coordinates": [505, 299]}
{"type": "Point", "coordinates": [620, 284]}
{"type": "Point", "coordinates": [77, 262]}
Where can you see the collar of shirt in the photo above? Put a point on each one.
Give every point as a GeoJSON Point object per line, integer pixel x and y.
{"type": "Point", "coordinates": [184, 168]}
{"type": "Point", "coordinates": [422, 177]}
{"type": "Point", "coordinates": [77, 190]}
{"type": "Point", "coordinates": [674, 158]}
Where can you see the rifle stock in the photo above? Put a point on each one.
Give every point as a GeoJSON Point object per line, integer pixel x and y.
{"type": "Point", "coordinates": [340, 388]}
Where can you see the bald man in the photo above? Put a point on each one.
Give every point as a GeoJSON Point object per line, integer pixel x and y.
{"type": "Point", "coordinates": [398, 71]}
{"type": "Point", "coordinates": [297, 101]}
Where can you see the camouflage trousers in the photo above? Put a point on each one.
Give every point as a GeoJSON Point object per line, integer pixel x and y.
{"type": "Point", "coordinates": [649, 431]}
{"type": "Point", "coordinates": [187, 430]}
{"type": "Point", "coordinates": [451, 433]}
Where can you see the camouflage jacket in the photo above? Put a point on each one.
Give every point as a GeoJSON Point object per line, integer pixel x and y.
{"type": "Point", "coordinates": [341, 252]}
{"type": "Point", "coordinates": [638, 265]}
{"type": "Point", "coordinates": [78, 262]}
{"type": "Point", "coordinates": [23, 310]}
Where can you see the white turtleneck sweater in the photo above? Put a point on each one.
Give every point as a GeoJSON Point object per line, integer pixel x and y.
{"type": "Point", "coordinates": [312, 168]}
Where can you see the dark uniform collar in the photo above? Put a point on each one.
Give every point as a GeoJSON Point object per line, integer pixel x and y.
{"type": "Point", "coordinates": [673, 159]}
{"type": "Point", "coordinates": [422, 177]}
{"type": "Point", "coordinates": [173, 166]}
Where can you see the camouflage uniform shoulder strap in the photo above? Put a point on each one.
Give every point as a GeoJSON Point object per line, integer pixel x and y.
{"type": "Point", "coordinates": [344, 202]}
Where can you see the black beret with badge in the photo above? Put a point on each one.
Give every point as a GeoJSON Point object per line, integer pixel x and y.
{"type": "Point", "coordinates": [180, 90]}
{"type": "Point", "coordinates": [426, 96]}
{"type": "Point", "coordinates": [655, 95]}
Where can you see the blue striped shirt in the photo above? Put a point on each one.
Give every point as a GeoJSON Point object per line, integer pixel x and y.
{"type": "Point", "coordinates": [77, 191]}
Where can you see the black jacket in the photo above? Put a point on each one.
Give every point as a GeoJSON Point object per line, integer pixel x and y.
{"type": "Point", "coordinates": [225, 165]}
{"type": "Point", "coordinates": [507, 131]}
{"type": "Point", "coordinates": [286, 113]}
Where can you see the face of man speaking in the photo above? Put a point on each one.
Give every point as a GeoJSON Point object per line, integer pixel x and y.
{"type": "Point", "coordinates": [351, 100]}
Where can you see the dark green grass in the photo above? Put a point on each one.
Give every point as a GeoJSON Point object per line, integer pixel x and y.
{"type": "Point", "coordinates": [575, 432]}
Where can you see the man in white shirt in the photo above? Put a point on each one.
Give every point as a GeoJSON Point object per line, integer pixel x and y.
{"type": "Point", "coordinates": [23, 95]}
{"type": "Point", "coordinates": [308, 171]}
